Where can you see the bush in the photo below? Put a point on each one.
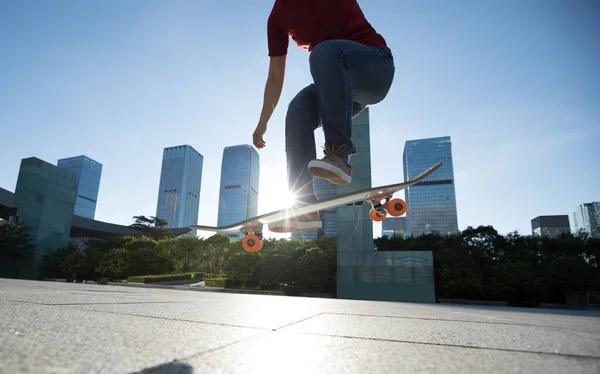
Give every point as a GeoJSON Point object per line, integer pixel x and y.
{"type": "Point", "coordinates": [243, 269]}
{"type": "Point", "coordinates": [272, 270]}
{"type": "Point", "coordinates": [215, 282]}
{"type": "Point", "coordinates": [162, 278]}
{"type": "Point", "coordinates": [316, 272]}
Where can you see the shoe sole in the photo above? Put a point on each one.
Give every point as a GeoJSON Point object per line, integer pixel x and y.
{"type": "Point", "coordinates": [329, 172]}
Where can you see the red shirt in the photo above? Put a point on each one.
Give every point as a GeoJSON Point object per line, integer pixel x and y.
{"type": "Point", "coordinates": [310, 22]}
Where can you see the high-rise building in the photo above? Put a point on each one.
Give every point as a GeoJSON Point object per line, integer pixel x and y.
{"type": "Point", "coordinates": [362, 271]}
{"type": "Point", "coordinates": [355, 227]}
{"type": "Point", "coordinates": [393, 226]}
{"type": "Point", "coordinates": [323, 190]}
{"type": "Point", "coordinates": [550, 226]}
{"type": "Point", "coordinates": [179, 188]}
{"type": "Point", "coordinates": [431, 202]}
{"type": "Point", "coordinates": [586, 218]}
{"type": "Point", "coordinates": [238, 192]}
{"type": "Point", "coordinates": [89, 172]}
{"type": "Point", "coordinates": [45, 197]}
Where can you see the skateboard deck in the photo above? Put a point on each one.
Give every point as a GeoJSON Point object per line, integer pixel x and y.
{"type": "Point", "coordinates": [252, 227]}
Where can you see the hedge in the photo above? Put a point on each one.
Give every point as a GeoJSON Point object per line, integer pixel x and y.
{"type": "Point", "coordinates": [162, 278]}
{"type": "Point", "coordinates": [215, 282]}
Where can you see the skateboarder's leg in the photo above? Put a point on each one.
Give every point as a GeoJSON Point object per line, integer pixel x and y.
{"type": "Point", "coordinates": [348, 77]}
{"type": "Point", "coordinates": [302, 119]}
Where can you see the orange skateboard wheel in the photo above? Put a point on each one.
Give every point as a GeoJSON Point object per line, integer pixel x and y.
{"type": "Point", "coordinates": [396, 207]}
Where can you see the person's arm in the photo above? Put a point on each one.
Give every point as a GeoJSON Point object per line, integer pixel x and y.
{"type": "Point", "coordinates": [273, 87]}
{"type": "Point", "coordinates": [278, 44]}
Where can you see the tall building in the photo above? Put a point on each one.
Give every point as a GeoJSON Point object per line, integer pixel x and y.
{"type": "Point", "coordinates": [238, 192]}
{"type": "Point", "coordinates": [45, 198]}
{"type": "Point", "coordinates": [586, 218]}
{"type": "Point", "coordinates": [362, 272]}
{"type": "Point", "coordinates": [323, 190]}
{"type": "Point", "coordinates": [393, 226]}
{"type": "Point", "coordinates": [550, 226]}
{"type": "Point", "coordinates": [179, 189]}
{"type": "Point", "coordinates": [431, 202]}
{"type": "Point", "coordinates": [89, 172]}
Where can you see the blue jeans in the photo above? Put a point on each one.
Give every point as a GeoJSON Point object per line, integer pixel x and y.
{"type": "Point", "coordinates": [348, 77]}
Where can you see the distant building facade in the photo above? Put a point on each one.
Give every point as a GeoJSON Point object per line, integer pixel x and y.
{"type": "Point", "coordinates": [432, 202]}
{"type": "Point", "coordinates": [586, 218]}
{"type": "Point", "coordinates": [90, 173]}
{"type": "Point", "coordinates": [45, 198]}
{"type": "Point", "coordinates": [179, 187]}
{"type": "Point", "coordinates": [393, 226]}
{"type": "Point", "coordinates": [550, 226]}
{"type": "Point", "coordinates": [238, 191]}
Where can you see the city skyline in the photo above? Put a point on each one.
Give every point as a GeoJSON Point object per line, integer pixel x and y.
{"type": "Point", "coordinates": [179, 186]}
{"type": "Point", "coordinates": [516, 89]}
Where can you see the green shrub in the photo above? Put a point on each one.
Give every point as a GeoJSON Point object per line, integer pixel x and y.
{"type": "Point", "coordinates": [215, 282]}
{"type": "Point", "coordinates": [243, 269]}
{"type": "Point", "coordinates": [163, 278]}
{"type": "Point", "coordinates": [317, 270]}
{"type": "Point", "coordinates": [272, 270]}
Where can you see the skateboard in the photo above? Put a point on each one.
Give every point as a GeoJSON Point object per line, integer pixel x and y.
{"type": "Point", "coordinates": [380, 199]}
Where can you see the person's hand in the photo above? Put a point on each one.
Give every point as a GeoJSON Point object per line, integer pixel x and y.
{"type": "Point", "coordinates": [257, 137]}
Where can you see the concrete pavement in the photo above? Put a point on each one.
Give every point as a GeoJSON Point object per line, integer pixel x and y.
{"type": "Point", "coordinates": [50, 327]}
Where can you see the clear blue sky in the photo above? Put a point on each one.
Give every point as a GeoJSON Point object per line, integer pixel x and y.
{"type": "Point", "coordinates": [516, 84]}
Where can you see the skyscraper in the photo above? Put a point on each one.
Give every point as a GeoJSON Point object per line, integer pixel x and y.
{"type": "Point", "coordinates": [238, 192]}
{"type": "Point", "coordinates": [586, 218]}
{"type": "Point", "coordinates": [89, 172]}
{"type": "Point", "coordinates": [431, 202]}
{"type": "Point", "coordinates": [179, 188]}
{"type": "Point", "coordinates": [355, 227]}
{"type": "Point", "coordinates": [45, 197]}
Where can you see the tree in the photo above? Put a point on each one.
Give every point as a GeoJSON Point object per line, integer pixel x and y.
{"type": "Point", "coordinates": [143, 222]}
{"type": "Point", "coordinates": [16, 249]}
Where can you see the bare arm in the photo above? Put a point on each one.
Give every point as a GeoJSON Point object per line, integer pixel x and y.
{"type": "Point", "coordinates": [273, 87]}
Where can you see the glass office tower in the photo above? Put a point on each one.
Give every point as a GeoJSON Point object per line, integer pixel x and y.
{"type": "Point", "coordinates": [179, 189]}
{"type": "Point", "coordinates": [586, 218]}
{"type": "Point", "coordinates": [355, 227]}
{"type": "Point", "coordinates": [393, 226]}
{"type": "Point", "coordinates": [89, 172]}
{"type": "Point", "coordinates": [238, 192]}
{"type": "Point", "coordinates": [431, 202]}
{"type": "Point", "coordinates": [362, 272]}
{"type": "Point", "coordinates": [45, 197]}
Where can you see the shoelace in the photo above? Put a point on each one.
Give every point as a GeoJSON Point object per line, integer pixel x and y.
{"type": "Point", "coordinates": [334, 152]}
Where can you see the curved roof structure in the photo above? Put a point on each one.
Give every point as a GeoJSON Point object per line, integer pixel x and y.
{"type": "Point", "coordinates": [82, 227]}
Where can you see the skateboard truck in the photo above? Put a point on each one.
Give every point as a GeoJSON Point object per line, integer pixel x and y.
{"type": "Point", "coordinates": [393, 207]}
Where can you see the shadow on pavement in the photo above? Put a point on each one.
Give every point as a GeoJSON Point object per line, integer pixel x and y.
{"type": "Point", "coordinates": [169, 368]}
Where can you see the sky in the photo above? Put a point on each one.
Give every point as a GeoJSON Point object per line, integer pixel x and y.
{"type": "Point", "coordinates": [515, 84]}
